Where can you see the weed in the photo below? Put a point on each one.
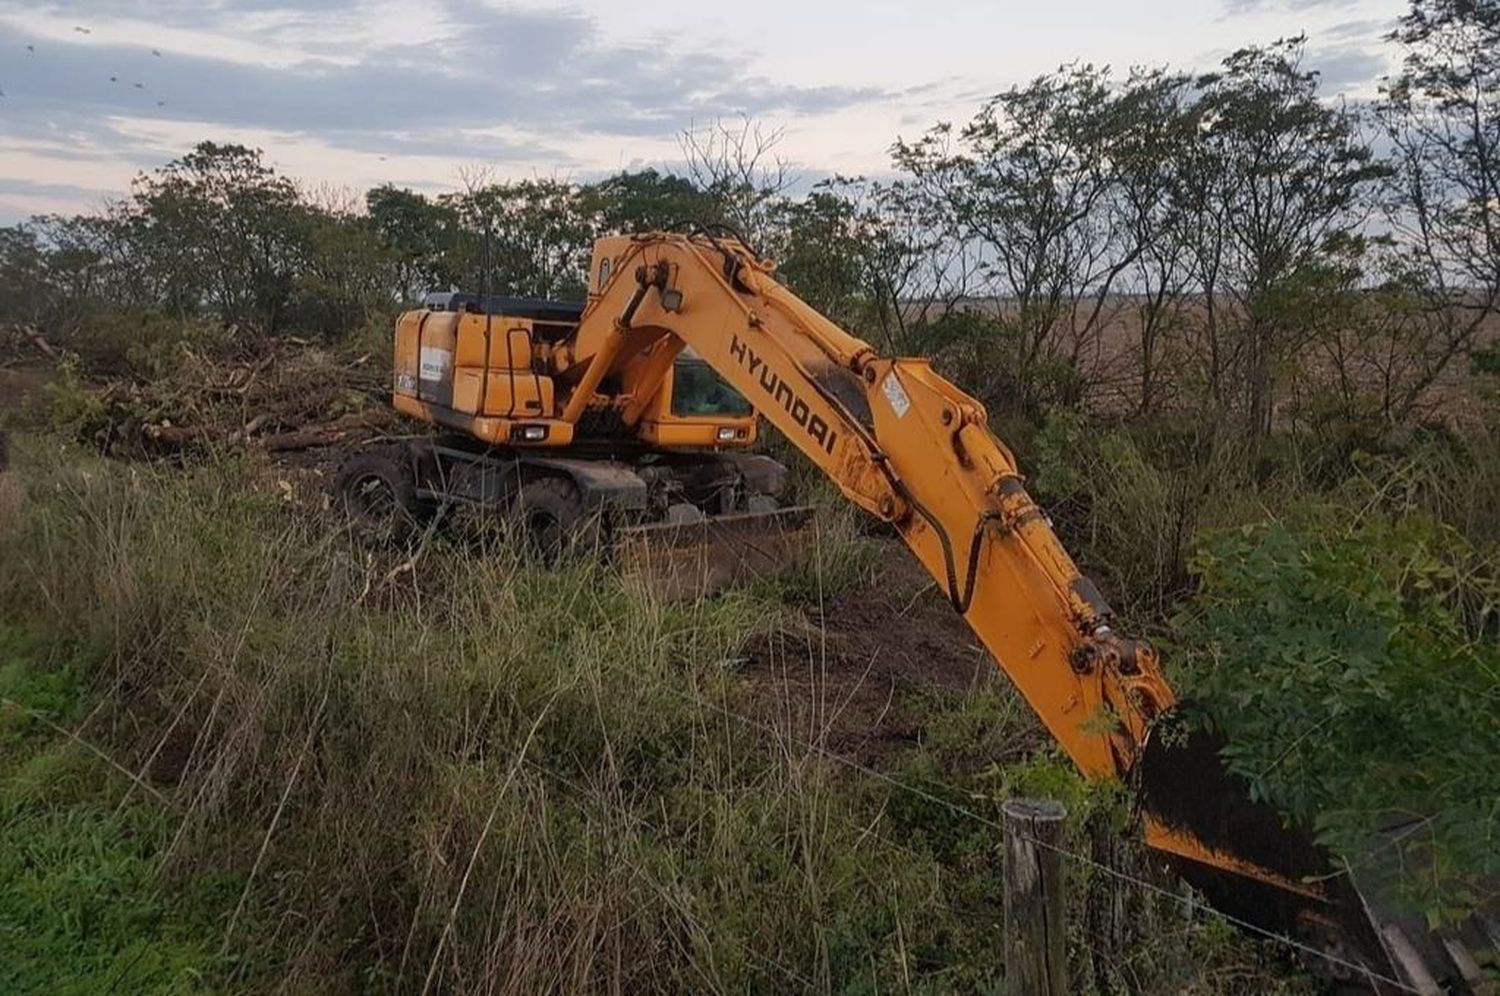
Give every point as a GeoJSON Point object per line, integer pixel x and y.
{"type": "Point", "coordinates": [498, 752]}
{"type": "Point", "coordinates": [81, 907]}
{"type": "Point", "coordinates": [336, 769]}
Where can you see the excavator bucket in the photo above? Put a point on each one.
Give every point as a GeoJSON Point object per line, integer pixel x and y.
{"type": "Point", "coordinates": [680, 561]}
{"type": "Point", "coordinates": [1271, 877]}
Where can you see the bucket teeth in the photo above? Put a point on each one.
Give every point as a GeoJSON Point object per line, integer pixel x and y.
{"type": "Point", "coordinates": [680, 561]}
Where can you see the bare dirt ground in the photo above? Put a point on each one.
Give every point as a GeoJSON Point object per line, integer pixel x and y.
{"type": "Point", "coordinates": [848, 675]}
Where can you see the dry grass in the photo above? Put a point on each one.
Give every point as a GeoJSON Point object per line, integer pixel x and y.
{"type": "Point", "coordinates": [486, 779]}
{"type": "Point", "coordinates": [475, 776]}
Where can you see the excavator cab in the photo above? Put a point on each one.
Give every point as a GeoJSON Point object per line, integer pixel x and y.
{"type": "Point", "coordinates": [490, 367]}
{"type": "Point", "coordinates": [697, 407]}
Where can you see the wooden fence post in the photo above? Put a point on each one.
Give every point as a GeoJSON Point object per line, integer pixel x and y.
{"type": "Point", "coordinates": [1035, 945]}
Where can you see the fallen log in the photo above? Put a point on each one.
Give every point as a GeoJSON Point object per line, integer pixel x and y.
{"type": "Point", "coordinates": [171, 435]}
{"type": "Point", "coordinates": [315, 436]}
{"type": "Point", "coordinates": [35, 337]}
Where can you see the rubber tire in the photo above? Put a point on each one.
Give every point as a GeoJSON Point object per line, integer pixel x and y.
{"type": "Point", "coordinates": [356, 488]}
{"type": "Point", "coordinates": [550, 517]}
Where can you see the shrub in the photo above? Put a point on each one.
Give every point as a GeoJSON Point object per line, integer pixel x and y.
{"type": "Point", "coordinates": [1129, 501]}
{"type": "Point", "coordinates": [122, 342]}
{"type": "Point", "coordinates": [1351, 660]}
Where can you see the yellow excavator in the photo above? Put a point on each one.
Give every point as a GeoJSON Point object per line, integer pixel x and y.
{"type": "Point", "coordinates": [631, 414]}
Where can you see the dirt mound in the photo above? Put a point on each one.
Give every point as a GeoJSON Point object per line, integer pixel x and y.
{"type": "Point", "coordinates": [843, 677]}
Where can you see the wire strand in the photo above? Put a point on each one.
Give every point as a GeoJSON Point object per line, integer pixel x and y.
{"type": "Point", "coordinates": [1194, 904]}
{"type": "Point", "coordinates": [744, 946]}
{"type": "Point", "coordinates": [965, 811]}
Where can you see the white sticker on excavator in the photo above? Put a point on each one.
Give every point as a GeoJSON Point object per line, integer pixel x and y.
{"type": "Point", "coordinates": [895, 394]}
{"type": "Point", "coordinates": [435, 362]}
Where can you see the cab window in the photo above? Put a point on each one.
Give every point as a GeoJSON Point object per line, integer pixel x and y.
{"type": "Point", "coordinates": [697, 390]}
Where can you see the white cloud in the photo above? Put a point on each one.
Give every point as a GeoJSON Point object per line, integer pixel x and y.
{"type": "Point", "coordinates": [329, 87]}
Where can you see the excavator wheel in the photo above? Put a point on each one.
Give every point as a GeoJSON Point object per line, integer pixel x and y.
{"type": "Point", "coordinates": [552, 520]}
{"type": "Point", "coordinates": [377, 492]}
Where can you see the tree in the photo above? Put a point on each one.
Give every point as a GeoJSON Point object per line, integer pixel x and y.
{"type": "Point", "coordinates": [646, 200]}
{"type": "Point", "coordinates": [1154, 131]}
{"type": "Point", "coordinates": [531, 237]}
{"type": "Point", "coordinates": [223, 227]}
{"type": "Point", "coordinates": [739, 172]}
{"type": "Point", "coordinates": [350, 275]}
{"type": "Point", "coordinates": [421, 234]}
{"type": "Point", "coordinates": [1030, 182]}
{"type": "Point", "coordinates": [1441, 114]}
{"type": "Point", "coordinates": [1276, 189]}
{"type": "Point", "coordinates": [864, 253]}
{"type": "Point", "coordinates": [23, 281]}
{"type": "Point", "coordinates": [820, 256]}
{"type": "Point", "coordinates": [914, 269]}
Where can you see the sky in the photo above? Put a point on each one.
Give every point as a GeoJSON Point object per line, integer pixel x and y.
{"type": "Point", "coordinates": [349, 94]}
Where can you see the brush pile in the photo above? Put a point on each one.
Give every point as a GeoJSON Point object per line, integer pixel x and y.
{"type": "Point", "coordinates": [285, 396]}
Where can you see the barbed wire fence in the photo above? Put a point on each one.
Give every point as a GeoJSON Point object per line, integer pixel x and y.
{"type": "Point", "coordinates": [1120, 876]}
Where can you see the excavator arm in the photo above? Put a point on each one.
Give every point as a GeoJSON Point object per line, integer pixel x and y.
{"type": "Point", "coordinates": [909, 447]}
{"type": "Point", "coordinates": [912, 449]}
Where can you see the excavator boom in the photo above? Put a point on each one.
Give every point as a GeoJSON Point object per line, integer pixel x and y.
{"type": "Point", "coordinates": [912, 449]}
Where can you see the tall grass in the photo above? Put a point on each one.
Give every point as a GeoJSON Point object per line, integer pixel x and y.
{"type": "Point", "coordinates": [457, 772]}
{"type": "Point", "coordinates": [464, 775]}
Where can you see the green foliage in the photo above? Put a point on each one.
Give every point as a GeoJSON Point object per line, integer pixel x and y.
{"type": "Point", "coordinates": [23, 276]}
{"type": "Point", "coordinates": [31, 696]}
{"type": "Point", "coordinates": [346, 278]}
{"type": "Point", "coordinates": [420, 234]}
{"type": "Point", "coordinates": [81, 910]}
{"type": "Point", "coordinates": [464, 714]}
{"type": "Point", "coordinates": [1353, 665]}
{"type": "Point", "coordinates": [1433, 473]}
{"type": "Point", "coordinates": [1129, 500]}
{"type": "Point", "coordinates": [1486, 360]}
{"type": "Point", "coordinates": [820, 256]}
{"type": "Point", "coordinates": [1442, 115]}
{"type": "Point", "coordinates": [647, 200]}
{"type": "Point", "coordinates": [72, 406]}
{"type": "Point", "coordinates": [220, 225]}
{"type": "Point", "coordinates": [530, 238]}
{"type": "Point", "coordinates": [115, 342]}
{"type": "Point", "coordinates": [82, 907]}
